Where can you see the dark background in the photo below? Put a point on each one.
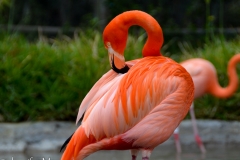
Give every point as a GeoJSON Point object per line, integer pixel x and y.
{"type": "Point", "coordinates": [172, 14]}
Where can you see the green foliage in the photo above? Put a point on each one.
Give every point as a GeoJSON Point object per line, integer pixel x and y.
{"type": "Point", "coordinates": [47, 79]}
{"type": "Point", "coordinates": [4, 3]}
{"type": "Point", "coordinates": [44, 81]}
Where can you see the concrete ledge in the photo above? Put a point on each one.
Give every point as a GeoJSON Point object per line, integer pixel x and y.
{"type": "Point", "coordinates": [49, 136]}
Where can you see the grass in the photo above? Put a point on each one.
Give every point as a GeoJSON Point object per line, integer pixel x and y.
{"type": "Point", "coordinates": [47, 79]}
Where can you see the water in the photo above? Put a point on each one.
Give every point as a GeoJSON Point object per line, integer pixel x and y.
{"type": "Point", "coordinates": [160, 153]}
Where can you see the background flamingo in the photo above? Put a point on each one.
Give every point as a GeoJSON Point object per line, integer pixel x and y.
{"type": "Point", "coordinates": [205, 81]}
{"type": "Point", "coordinates": [137, 105]}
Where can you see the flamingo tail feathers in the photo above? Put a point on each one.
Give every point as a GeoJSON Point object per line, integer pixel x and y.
{"type": "Point", "coordinates": [80, 146]}
{"type": "Point", "coordinates": [114, 143]}
{"type": "Point", "coordinates": [76, 143]}
{"type": "Point", "coordinates": [65, 143]}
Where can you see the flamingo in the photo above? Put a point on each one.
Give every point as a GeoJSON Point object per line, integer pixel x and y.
{"type": "Point", "coordinates": [137, 104]}
{"type": "Point", "coordinates": [205, 81]}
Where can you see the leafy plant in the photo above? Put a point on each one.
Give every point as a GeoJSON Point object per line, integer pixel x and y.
{"type": "Point", "coordinates": [47, 79]}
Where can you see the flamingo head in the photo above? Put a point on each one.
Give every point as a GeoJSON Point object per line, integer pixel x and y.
{"type": "Point", "coordinates": [116, 32]}
{"type": "Point", "coordinates": [115, 42]}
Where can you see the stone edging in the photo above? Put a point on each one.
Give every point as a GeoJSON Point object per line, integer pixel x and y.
{"type": "Point", "coordinates": [49, 136]}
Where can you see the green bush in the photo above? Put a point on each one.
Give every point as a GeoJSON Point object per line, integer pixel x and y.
{"type": "Point", "coordinates": [47, 79]}
{"type": "Point", "coordinates": [44, 81]}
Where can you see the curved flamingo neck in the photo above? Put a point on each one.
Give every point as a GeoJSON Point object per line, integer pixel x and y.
{"type": "Point", "coordinates": [118, 30]}
{"type": "Point", "coordinates": [220, 92]}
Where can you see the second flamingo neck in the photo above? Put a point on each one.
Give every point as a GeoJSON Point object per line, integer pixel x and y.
{"type": "Point", "coordinates": [225, 92]}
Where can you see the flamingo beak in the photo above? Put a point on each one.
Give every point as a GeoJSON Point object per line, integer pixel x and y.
{"type": "Point", "coordinates": [116, 60]}
{"type": "Point", "coordinates": [110, 56]}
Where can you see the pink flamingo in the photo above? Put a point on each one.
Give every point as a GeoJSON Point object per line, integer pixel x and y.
{"type": "Point", "coordinates": [137, 105]}
{"type": "Point", "coordinates": [205, 81]}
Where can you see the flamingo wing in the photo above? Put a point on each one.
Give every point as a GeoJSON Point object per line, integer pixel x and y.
{"type": "Point", "coordinates": [131, 96]}
{"type": "Point", "coordinates": [97, 91]}
{"type": "Point", "coordinates": [159, 124]}
{"type": "Point", "coordinates": [100, 89]}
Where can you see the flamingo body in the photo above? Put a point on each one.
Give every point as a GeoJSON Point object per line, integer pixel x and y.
{"type": "Point", "coordinates": [124, 117]}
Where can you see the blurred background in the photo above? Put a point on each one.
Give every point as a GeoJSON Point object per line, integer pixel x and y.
{"type": "Point", "coordinates": [51, 52]}
{"type": "Point", "coordinates": [192, 16]}
{"type": "Point", "coordinates": [172, 15]}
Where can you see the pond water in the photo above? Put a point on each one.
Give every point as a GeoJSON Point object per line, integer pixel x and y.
{"type": "Point", "coordinates": [160, 153]}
